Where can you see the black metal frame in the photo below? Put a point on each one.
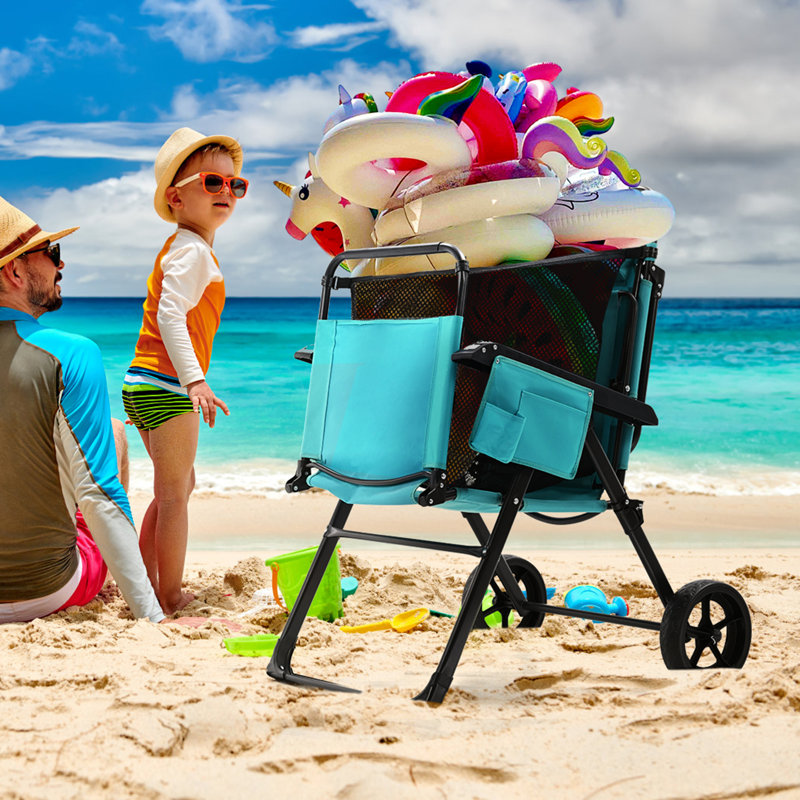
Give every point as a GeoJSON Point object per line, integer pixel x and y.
{"type": "Point", "coordinates": [491, 542]}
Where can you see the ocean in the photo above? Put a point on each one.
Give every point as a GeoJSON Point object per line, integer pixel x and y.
{"type": "Point", "coordinates": [724, 382]}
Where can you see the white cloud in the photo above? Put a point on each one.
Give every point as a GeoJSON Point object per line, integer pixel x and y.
{"type": "Point", "coordinates": [125, 141]}
{"type": "Point", "coordinates": [210, 30]}
{"type": "Point", "coordinates": [344, 33]}
{"type": "Point", "coordinates": [288, 116]}
{"type": "Point", "coordinates": [40, 53]}
{"type": "Point", "coordinates": [675, 72]}
{"type": "Point", "coordinates": [13, 66]}
{"type": "Point", "coordinates": [120, 235]}
{"type": "Point", "coordinates": [91, 40]}
{"type": "Point", "coordinates": [277, 122]}
{"type": "Point", "coordinates": [591, 37]}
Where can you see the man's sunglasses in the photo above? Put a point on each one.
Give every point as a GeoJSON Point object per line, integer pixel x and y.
{"type": "Point", "coordinates": [214, 183]}
{"type": "Point", "coordinates": [53, 251]}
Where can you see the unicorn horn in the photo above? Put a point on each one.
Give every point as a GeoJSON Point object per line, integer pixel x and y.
{"type": "Point", "coordinates": [344, 97]}
{"type": "Point", "coordinates": [286, 188]}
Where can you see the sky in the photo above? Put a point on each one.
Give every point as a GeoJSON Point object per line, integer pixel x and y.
{"type": "Point", "coordinates": [704, 94]}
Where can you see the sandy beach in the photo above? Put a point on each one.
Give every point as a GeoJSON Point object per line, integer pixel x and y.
{"type": "Point", "coordinates": [96, 705]}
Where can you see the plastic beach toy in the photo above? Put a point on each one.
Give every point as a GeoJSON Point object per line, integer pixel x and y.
{"type": "Point", "coordinates": [592, 598]}
{"type": "Point", "coordinates": [264, 599]}
{"type": "Point", "coordinates": [402, 623]}
{"type": "Point", "coordinates": [289, 572]}
{"type": "Point", "coordinates": [262, 644]}
{"type": "Point", "coordinates": [494, 620]}
{"type": "Point", "coordinates": [349, 586]}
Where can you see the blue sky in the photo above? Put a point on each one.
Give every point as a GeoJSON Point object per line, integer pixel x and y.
{"type": "Point", "coordinates": [703, 91]}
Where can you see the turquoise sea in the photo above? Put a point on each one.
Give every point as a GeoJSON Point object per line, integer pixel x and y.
{"type": "Point", "coordinates": [724, 382]}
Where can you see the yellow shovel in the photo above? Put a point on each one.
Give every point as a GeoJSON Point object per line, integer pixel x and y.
{"type": "Point", "coordinates": [402, 623]}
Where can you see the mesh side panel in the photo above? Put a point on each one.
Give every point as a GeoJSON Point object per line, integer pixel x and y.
{"type": "Point", "coordinates": [551, 310]}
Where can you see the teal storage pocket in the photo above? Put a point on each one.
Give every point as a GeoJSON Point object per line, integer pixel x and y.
{"type": "Point", "coordinates": [532, 418]}
{"type": "Point", "coordinates": [498, 433]}
{"type": "Point", "coordinates": [553, 436]}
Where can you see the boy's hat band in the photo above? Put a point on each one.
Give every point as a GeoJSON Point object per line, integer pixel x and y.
{"type": "Point", "coordinates": [19, 233]}
{"type": "Point", "coordinates": [175, 151]}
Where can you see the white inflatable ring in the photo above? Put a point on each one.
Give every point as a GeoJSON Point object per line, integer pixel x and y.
{"type": "Point", "coordinates": [430, 206]}
{"type": "Point", "coordinates": [348, 152]}
{"type": "Point", "coordinates": [485, 243]}
{"type": "Point", "coordinates": [620, 217]}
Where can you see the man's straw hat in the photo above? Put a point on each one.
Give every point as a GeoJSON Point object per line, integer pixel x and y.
{"type": "Point", "coordinates": [19, 233]}
{"type": "Point", "coordinates": [175, 151]}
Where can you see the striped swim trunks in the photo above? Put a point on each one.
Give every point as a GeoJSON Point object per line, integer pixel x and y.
{"type": "Point", "coordinates": [149, 405]}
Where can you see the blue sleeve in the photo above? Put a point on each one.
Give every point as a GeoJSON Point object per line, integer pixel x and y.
{"type": "Point", "coordinates": [87, 410]}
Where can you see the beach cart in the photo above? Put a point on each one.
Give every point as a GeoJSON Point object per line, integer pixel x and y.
{"type": "Point", "coordinates": [517, 391]}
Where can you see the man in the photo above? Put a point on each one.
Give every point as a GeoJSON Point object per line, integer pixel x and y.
{"type": "Point", "coordinates": [57, 451]}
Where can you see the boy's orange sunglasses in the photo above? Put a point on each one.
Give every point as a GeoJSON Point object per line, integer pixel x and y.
{"type": "Point", "coordinates": [214, 183]}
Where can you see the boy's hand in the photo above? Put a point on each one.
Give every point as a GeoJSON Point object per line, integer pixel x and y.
{"type": "Point", "coordinates": [203, 398]}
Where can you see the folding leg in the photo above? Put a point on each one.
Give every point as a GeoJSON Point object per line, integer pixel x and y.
{"type": "Point", "coordinates": [510, 585]}
{"type": "Point", "coordinates": [280, 665]}
{"type": "Point", "coordinates": [629, 515]}
{"type": "Point", "coordinates": [491, 551]}
{"type": "Point", "coordinates": [441, 679]}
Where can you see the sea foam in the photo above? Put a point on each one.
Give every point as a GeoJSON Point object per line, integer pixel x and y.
{"type": "Point", "coordinates": [267, 479]}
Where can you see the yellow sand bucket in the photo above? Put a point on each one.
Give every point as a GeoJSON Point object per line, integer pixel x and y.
{"type": "Point", "coordinates": [290, 570]}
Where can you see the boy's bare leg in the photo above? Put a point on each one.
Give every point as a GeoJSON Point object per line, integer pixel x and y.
{"type": "Point", "coordinates": [147, 531]}
{"type": "Point", "coordinates": [147, 543]}
{"type": "Point", "coordinates": [172, 447]}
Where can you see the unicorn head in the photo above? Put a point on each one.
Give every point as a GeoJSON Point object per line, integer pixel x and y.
{"type": "Point", "coordinates": [334, 222]}
{"type": "Point", "coordinates": [348, 107]}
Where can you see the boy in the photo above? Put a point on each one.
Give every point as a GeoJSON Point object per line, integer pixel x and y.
{"type": "Point", "coordinates": [198, 185]}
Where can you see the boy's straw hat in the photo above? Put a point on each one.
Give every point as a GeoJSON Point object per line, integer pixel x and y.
{"type": "Point", "coordinates": [175, 151]}
{"type": "Point", "coordinates": [19, 233]}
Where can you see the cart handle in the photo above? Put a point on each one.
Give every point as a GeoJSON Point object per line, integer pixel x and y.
{"type": "Point", "coordinates": [461, 268]}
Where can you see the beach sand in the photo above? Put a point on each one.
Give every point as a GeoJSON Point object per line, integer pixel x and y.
{"type": "Point", "coordinates": [96, 705]}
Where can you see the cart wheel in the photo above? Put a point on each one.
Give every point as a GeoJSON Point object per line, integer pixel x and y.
{"type": "Point", "coordinates": [530, 581]}
{"type": "Point", "coordinates": [705, 625]}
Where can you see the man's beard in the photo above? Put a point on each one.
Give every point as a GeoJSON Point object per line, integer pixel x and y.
{"type": "Point", "coordinates": [48, 301]}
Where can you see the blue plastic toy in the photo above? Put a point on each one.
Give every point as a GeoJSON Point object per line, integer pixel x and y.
{"type": "Point", "coordinates": [349, 586]}
{"type": "Point", "coordinates": [592, 598]}
{"type": "Point", "coordinates": [551, 590]}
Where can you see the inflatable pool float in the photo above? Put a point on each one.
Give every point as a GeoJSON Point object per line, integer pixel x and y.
{"type": "Point", "coordinates": [621, 217]}
{"type": "Point", "coordinates": [353, 156]}
{"type": "Point", "coordinates": [468, 195]}
{"type": "Point", "coordinates": [485, 243]}
{"type": "Point", "coordinates": [485, 126]}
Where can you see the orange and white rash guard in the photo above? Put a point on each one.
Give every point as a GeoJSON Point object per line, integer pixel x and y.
{"type": "Point", "coordinates": [185, 298]}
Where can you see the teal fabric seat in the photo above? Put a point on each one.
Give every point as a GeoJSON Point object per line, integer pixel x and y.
{"type": "Point", "coordinates": [481, 502]}
{"type": "Point", "coordinates": [379, 405]}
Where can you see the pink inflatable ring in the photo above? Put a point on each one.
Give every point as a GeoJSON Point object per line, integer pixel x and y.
{"type": "Point", "coordinates": [485, 121]}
